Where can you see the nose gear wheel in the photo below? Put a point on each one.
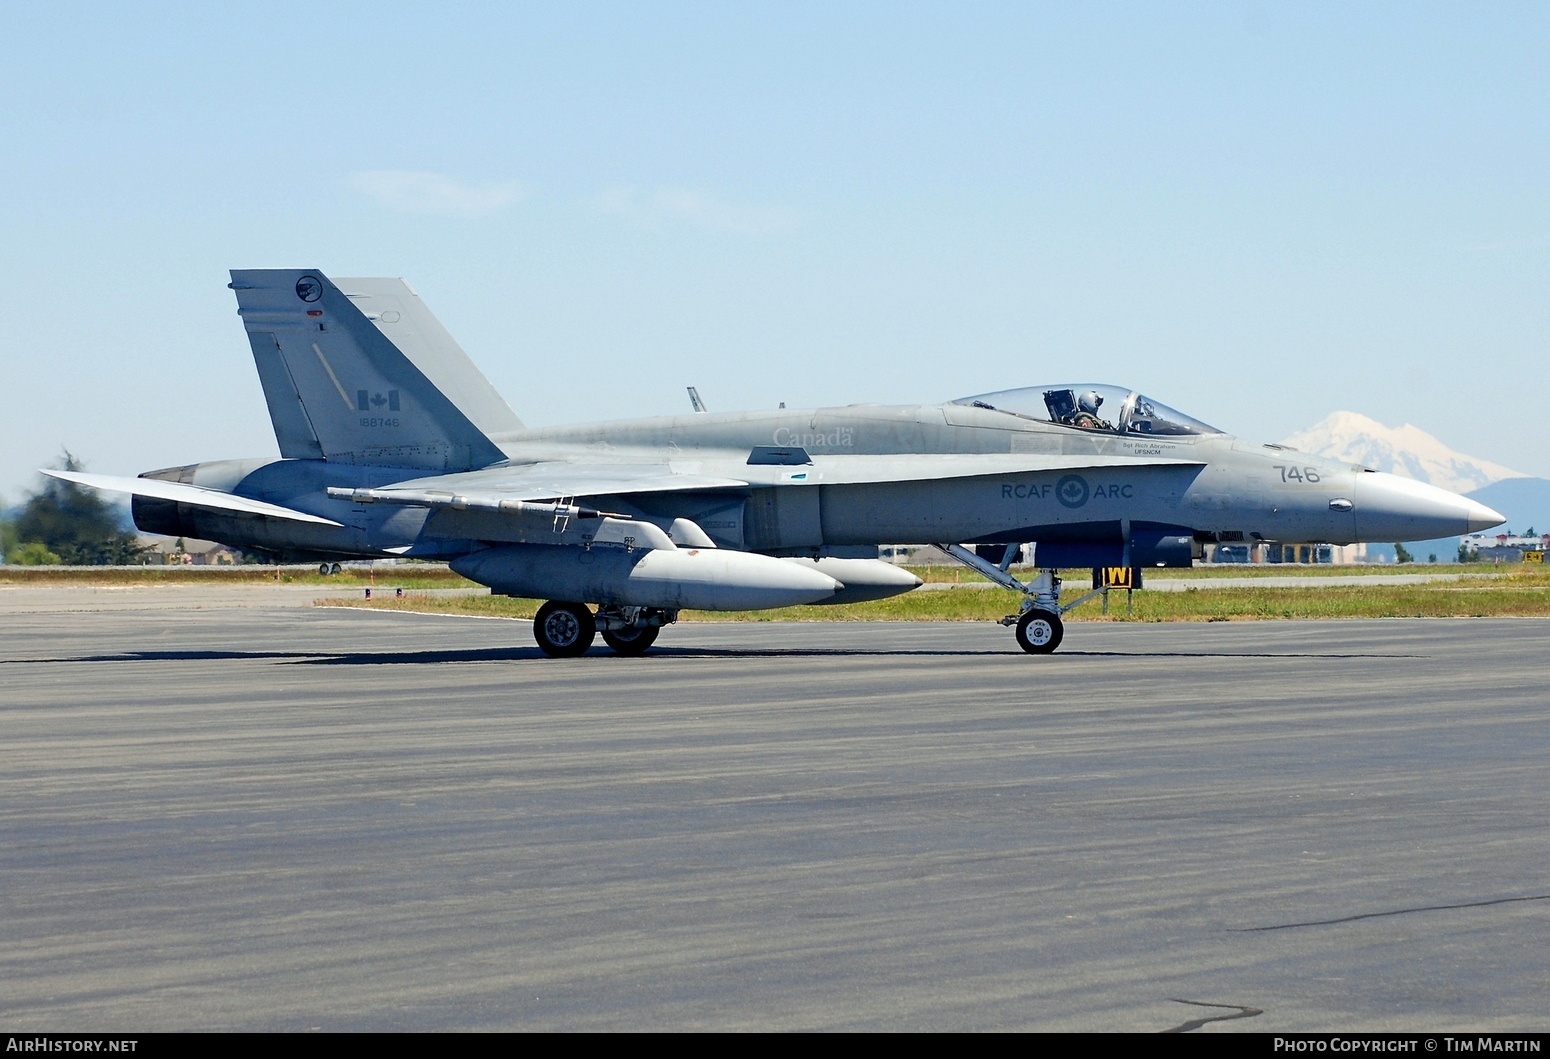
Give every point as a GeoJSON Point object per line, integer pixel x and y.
{"type": "Point", "coordinates": [1039, 632]}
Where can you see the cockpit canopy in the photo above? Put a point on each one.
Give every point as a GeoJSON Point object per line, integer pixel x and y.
{"type": "Point", "coordinates": [1091, 406]}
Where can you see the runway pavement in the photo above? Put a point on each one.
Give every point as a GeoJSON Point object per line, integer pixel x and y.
{"type": "Point", "coordinates": [62, 598]}
{"type": "Point", "coordinates": [1162, 583]}
{"type": "Point", "coordinates": [293, 819]}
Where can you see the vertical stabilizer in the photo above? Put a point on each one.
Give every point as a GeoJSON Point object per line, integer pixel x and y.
{"type": "Point", "coordinates": [340, 389]}
{"type": "Point", "coordinates": [398, 313]}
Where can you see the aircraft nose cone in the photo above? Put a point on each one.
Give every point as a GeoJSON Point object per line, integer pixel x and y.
{"type": "Point", "coordinates": [1482, 517]}
{"type": "Point", "coordinates": [1391, 508]}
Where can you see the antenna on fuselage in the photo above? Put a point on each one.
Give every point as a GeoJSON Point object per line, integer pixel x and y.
{"type": "Point", "coordinates": [694, 399]}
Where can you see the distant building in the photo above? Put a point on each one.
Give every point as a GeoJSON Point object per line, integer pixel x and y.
{"type": "Point", "coordinates": [1280, 552]}
{"type": "Point", "coordinates": [1504, 547]}
{"type": "Point", "coordinates": [1252, 552]}
{"type": "Point", "coordinates": [176, 551]}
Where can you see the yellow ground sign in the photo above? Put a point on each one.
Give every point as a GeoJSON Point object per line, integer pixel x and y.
{"type": "Point", "coordinates": [1534, 557]}
{"type": "Point", "coordinates": [1118, 577]}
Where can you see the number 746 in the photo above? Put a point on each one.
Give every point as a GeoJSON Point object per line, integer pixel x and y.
{"type": "Point", "coordinates": [1298, 474]}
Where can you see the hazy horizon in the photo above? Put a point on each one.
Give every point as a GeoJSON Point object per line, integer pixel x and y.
{"type": "Point", "coordinates": [1258, 213]}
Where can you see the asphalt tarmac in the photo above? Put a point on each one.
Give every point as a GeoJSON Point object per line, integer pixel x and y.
{"type": "Point", "coordinates": [298, 819]}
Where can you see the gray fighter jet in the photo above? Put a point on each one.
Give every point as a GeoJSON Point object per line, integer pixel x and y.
{"type": "Point", "coordinates": [393, 444]}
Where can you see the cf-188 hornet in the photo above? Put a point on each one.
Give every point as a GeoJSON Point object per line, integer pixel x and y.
{"type": "Point", "coordinates": [392, 443]}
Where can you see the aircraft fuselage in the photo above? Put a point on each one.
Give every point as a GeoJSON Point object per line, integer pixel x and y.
{"type": "Point", "coordinates": [1220, 488]}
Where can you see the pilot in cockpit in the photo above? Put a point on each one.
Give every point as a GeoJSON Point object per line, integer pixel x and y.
{"type": "Point", "coordinates": [1073, 411]}
{"type": "Point", "coordinates": [1087, 412]}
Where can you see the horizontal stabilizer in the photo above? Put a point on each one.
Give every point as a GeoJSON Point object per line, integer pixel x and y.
{"type": "Point", "coordinates": [187, 494]}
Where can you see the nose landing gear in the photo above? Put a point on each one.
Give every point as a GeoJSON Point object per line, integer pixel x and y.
{"type": "Point", "coordinates": [1039, 628]}
{"type": "Point", "coordinates": [1039, 632]}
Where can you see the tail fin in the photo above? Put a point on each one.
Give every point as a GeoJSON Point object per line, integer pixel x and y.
{"type": "Point", "coordinates": [398, 313]}
{"type": "Point", "coordinates": [338, 388]}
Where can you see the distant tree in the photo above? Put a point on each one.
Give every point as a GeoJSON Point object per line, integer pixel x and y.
{"type": "Point", "coordinates": [8, 540]}
{"type": "Point", "coordinates": [1402, 554]}
{"type": "Point", "coordinates": [1468, 554]}
{"type": "Point", "coordinates": [1530, 532]}
{"type": "Point", "coordinates": [76, 524]}
{"type": "Point", "coordinates": [33, 553]}
{"type": "Point", "coordinates": [1432, 558]}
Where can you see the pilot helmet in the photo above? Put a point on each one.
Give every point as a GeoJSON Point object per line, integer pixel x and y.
{"type": "Point", "coordinates": [1089, 402]}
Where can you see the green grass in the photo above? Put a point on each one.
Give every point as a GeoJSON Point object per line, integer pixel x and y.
{"type": "Point", "coordinates": [436, 575]}
{"type": "Point", "coordinates": [1508, 590]}
{"type": "Point", "coordinates": [406, 575]}
{"type": "Point", "coordinates": [1522, 593]}
{"type": "Point", "coordinates": [963, 575]}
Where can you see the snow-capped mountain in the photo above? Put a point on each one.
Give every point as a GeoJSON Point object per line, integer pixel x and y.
{"type": "Point", "coordinates": [1407, 450]}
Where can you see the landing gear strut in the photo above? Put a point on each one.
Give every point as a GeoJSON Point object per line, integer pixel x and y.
{"type": "Point", "coordinates": [1039, 628]}
{"type": "Point", "coordinates": [630, 630]}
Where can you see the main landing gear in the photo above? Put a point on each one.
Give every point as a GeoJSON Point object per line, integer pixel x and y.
{"type": "Point", "coordinates": [1039, 628]}
{"type": "Point", "coordinates": [631, 640]}
{"type": "Point", "coordinates": [565, 630]}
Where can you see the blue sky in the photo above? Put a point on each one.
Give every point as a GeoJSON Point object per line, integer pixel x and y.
{"type": "Point", "coordinates": [1259, 213]}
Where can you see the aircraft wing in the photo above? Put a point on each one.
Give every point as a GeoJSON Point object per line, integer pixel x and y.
{"type": "Point", "coordinates": [547, 481]}
{"type": "Point", "coordinates": [188, 494]}
{"type": "Point", "coordinates": [557, 479]}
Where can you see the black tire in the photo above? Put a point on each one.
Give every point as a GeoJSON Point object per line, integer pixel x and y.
{"type": "Point", "coordinates": [1039, 632]}
{"type": "Point", "coordinates": [564, 630]}
{"type": "Point", "coordinates": [632, 640]}
{"type": "Point", "coordinates": [323, 569]}
{"type": "Point", "coordinates": [335, 568]}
